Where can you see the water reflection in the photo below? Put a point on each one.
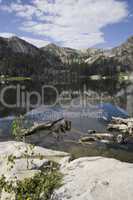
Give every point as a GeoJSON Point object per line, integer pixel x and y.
{"type": "Point", "coordinates": [104, 99]}
{"type": "Point", "coordinates": [99, 91]}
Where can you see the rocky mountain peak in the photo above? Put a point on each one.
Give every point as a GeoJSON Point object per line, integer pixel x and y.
{"type": "Point", "coordinates": [20, 46]}
{"type": "Point", "coordinates": [13, 38]}
{"type": "Point", "coordinates": [17, 45]}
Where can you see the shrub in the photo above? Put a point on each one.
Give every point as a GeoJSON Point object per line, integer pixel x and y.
{"type": "Point", "coordinates": [39, 187]}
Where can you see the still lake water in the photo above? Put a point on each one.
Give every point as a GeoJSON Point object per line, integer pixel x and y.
{"type": "Point", "coordinates": [88, 104]}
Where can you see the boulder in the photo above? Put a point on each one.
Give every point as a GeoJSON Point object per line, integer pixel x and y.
{"type": "Point", "coordinates": [96, 178]}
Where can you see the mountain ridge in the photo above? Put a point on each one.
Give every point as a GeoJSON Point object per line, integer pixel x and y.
{"type": "Point", "coordinates": [51, 46]}
{"type": "Point", "coordinates": [92, 52]}
{"type": "Point", "coordinates": [18, 57]}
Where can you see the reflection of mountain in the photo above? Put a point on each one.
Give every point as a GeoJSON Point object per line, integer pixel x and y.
{"type": "Point", "coordinates": [94, 92]}
{"type": "Point", "coordinates": [61, 65]}
{"type": "Point", "coordinates": [105, 90]}
{"type": "Point", "coordinates": [129, 92]}
{"type": "Point", "coordinates": [124, 97]}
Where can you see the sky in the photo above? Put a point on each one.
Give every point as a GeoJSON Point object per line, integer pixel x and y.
{"type": "Point", "coordinates": [78, 24]}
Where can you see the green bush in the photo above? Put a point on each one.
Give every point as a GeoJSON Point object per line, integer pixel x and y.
{"type": "Point", "coordinates": [17, 125]}
{"type": "Point", "coordinates": [40, 187]}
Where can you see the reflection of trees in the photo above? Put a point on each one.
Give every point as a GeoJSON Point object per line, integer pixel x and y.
{"type": "Point", "coordinates": [111, 86]}
{"type": "Point", "coordinates": [121, 92]}
{"type": "Point", "coordinates": [129, 99]}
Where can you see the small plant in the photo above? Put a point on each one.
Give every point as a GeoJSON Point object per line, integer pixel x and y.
{"type": "Point", "coordinates": [17, 125]}
{"type": "Point", "coordinates": [29, 153]}
{"type": "Point", "coordinates": [40, 186]}
{"type": "Point", "coordinates": [17, 132]}
{"type": "Point", "coordinates": [6, 185]}
{"type": "Point", "coordinates": [11, 161]}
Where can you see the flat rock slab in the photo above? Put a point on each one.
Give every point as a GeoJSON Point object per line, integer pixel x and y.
{"type": "Point", "coordinates": [18, 169]}
{"type": "Point", "coordinates": [37, 157]}
{"type": "Point", "coordinates": [96, 178]}
{"type": "Point", "coordinates": [18, 148]}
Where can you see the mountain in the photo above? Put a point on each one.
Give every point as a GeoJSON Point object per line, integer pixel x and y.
{"type": "Point", "coordinates": [53, 53]}
{"type": "Point", "coordinates": [20, 58]}
{"type": "Point", "coordinates": [63, 53]}
{"type": "Point", "coordinates": [120, 57]}
{"type": "Point", "coordinates": [17, 45]}
{"type": "Point", "coordinates": [124, 53]}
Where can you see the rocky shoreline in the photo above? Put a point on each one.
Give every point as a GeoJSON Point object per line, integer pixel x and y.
{"type": "Point", "coordinates": [88, 178]}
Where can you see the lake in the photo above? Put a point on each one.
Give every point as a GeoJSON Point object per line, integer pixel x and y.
{"type": "Point", "coordinates": [89, 104]}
